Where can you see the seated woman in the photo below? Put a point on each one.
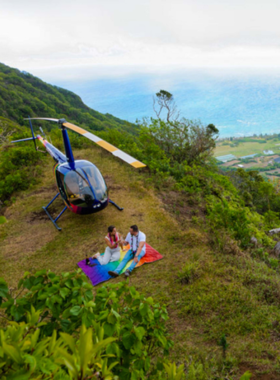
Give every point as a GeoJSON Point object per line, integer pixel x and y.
{"type": "Point", "coordinates": [112, 252]}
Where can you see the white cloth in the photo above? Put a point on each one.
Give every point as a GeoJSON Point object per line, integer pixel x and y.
{"type": "Point", "coordinates": [140, 237]}
{"type": "Point", "coordinates": [109, 256]}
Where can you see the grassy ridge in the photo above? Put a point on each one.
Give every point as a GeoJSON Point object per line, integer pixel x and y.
{"type": "Point", "coordinates": [208, 294]}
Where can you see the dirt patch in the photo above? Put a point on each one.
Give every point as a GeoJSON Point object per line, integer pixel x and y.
{"type": "Point", "coordinates": [257, 372]}
{"type": "Point", "coordinates": [40, 215]}
{"type": "Point", "coordinates": [139, 216]}
{"type": "Point", "coordinates": [109, 180]}
{"type": "Point", "coordinates": [185, 207]}
{"type": "Point", "coordinates": [36, 216]}
{"type": "Point", "coordinates": [111, 185]}
{"type": "Point", "coordinates": [44, 190]}
{"type": "Point", "coordinates": [226, 164]}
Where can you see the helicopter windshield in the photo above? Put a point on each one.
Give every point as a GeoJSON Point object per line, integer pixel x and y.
{"type": "Point", "coordinates": [97, 182]}
{"type": "Point", "coordinates": [84, 186]}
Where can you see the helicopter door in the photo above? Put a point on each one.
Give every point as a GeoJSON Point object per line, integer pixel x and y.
{"type": "Point", "coordinates": [77, 189]}
{"type": "Point", "coordinates": [60, 180]}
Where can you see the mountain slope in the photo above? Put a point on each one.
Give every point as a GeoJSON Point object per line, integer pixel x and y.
{"type": "Point", "coordinates": [23, 95]}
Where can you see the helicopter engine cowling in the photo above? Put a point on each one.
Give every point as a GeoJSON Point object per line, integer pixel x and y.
{"type": "Point", "coordinates": [81, 186]}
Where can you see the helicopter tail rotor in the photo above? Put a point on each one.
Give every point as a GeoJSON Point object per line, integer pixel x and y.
{"type": "Point", "coordinates": [29, 138]}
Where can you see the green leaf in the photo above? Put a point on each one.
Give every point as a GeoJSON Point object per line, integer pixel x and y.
{"type": "Point", "coordinates": [109, 329]}
{"type": "Point", "coordinates": [64, 292]}
{"type": "Point", "coordinates": [139, 332]}
{"type": "Point", "coordinates": [85, 347]}
{"type": "Point", "coordinates": [75, 310]}
{"type": "Point", "coordinates": [64, 358]}
{"type": "Point", "coordinates": [42, 272]}
{"type": "Point", "coordinates": [65, 324]}
{"type": "Point", "coordinates": [111, 319]}
{"type": "Point", "coordinates": [149, 300]}
{"type": "Point", "coordinates": [31, 360]}
{"type": "Point", "coordinates": [90, 304]}
{"type": "Point", "coordinates": [143, 309]}
{"type": "Point", "coordinates": [128, 340]}
{"type": "Point", "coordinates": [68, 339]}
{"type": "Point", "coordinates": [3, 288]}
{"type": "Point", "coordinates": [13, 352]}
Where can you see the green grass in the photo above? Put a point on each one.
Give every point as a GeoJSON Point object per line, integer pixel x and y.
{"type": "Point", "coordinates": [247, 148]}
{"type": "Point", "coordinates": [232, 295]}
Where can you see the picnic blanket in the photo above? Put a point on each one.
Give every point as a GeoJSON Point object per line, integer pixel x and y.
{"type": "Point", "coordinates": [99, 273]}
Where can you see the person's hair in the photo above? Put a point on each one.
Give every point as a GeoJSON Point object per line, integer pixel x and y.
{"type": "Point", "coordinates": [134, 228]}
{"type": "Point", "coordinates": [110, 228]}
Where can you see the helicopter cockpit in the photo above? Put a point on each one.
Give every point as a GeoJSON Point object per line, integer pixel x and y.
{"type": "Point", "coordinates": [84, 186]}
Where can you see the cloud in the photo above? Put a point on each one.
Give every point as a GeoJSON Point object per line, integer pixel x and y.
{"type": "Point", "coordinates": [66, 36]}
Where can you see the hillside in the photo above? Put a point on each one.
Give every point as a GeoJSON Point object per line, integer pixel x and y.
{"type": "Point", "coordinates": [221, 289]}
{"type": "Point", "coordinates": [208, 293]}
{"type": "Point", "coordinates": [23, 95]}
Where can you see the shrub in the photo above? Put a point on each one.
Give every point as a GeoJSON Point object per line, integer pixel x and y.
{"type": "Point", "coordinates": [59, 328]}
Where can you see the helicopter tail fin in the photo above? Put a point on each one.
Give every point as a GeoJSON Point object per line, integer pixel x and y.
{"type": "Point", "coordinates": [29, 138]}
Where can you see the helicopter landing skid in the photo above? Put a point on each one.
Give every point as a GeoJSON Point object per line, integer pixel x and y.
{"type": "Point", "coordinates": [49, 215]}
{"type": "Point", "coordinates": [114, 204]}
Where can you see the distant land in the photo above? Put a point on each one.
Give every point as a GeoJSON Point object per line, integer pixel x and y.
{"type": "Point", "coordinates": [250, 153]}
{"type": "Point", "coordinates": [239, 102]}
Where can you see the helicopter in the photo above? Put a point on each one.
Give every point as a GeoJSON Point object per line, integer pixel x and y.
{"type": "Point", "coordinates": [80, 183]}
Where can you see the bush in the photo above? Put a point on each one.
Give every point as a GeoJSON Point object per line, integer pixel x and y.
{"type": "Point", "coordinates": [58, 328]}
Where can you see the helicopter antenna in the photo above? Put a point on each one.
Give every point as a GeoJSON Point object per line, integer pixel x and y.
{"type": "Point", "coordinates": [43, 133]}
{"type": "Point", "coordinates": [41, 129]}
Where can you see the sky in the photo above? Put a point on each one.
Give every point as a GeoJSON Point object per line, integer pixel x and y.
{"type": "Point", "coordinates": [87, 38]}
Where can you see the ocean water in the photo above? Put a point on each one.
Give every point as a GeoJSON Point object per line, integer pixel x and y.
{"type": "Point", "coordinates": [238, 102]}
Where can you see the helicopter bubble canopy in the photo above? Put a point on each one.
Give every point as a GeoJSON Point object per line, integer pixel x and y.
{"type": "Point", "coordinates": [82, 185]}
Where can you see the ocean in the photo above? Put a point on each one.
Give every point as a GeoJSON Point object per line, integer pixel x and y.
{"type": "Point", "coordinates": [239, 102]}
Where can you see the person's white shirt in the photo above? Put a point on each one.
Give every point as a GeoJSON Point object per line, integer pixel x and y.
{"type": "Point", "coordinates": [140, 237]}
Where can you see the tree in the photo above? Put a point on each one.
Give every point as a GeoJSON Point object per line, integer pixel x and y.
{"type": "Point", "coordinates": [184, 141]}
{"type": "Point", "coordinates": [165, 102]}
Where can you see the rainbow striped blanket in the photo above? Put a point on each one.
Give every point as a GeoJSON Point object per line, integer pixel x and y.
{"type": "Point", "coordinates": [99, 273]}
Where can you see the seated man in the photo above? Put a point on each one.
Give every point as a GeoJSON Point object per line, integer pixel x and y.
{"type": "Point", "coordinates": [137, 241]}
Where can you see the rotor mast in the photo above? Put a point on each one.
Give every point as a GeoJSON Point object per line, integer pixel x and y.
{"type": "Point", "coordinates": [66, 141]}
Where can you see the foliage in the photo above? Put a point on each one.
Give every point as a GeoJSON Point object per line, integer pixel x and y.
{"type": "Point", "coordinates": [19, 166]}
{"type": "Point", "coordinates": [180, 142]}
{"type": "Point", "coordinates": [256, 192]}
{"type": "Point", "coordinates": [58, 325]}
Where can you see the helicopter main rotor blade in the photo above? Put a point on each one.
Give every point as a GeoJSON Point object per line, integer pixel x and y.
{"type": "Point", "coordinates": [104, 144]}
{"type": "Point", "coordinates": [42, 118]}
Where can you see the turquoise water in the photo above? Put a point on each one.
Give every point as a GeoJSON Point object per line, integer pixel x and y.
{"type": "Point", "coordinates": [240, 102]}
